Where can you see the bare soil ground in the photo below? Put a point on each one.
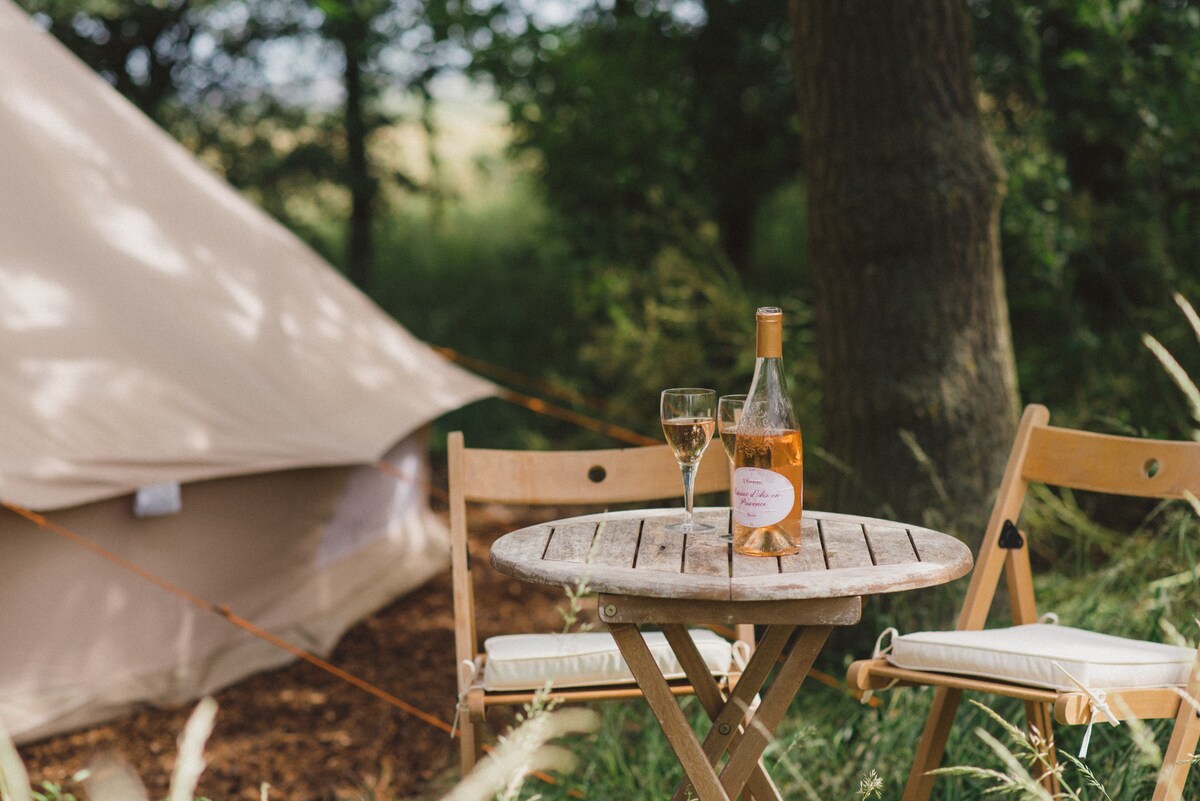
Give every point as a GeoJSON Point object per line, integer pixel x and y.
{"type": "Point", "coordinates": [313, 737]}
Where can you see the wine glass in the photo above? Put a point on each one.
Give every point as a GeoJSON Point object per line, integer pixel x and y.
{"type": "Point", "coordinates": [729, 414]}
{"type": "Point", "coordinates": [688, 420]}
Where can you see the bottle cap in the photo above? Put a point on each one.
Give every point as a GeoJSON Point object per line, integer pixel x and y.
{"type": "Point", "coordinates": [769, 332]}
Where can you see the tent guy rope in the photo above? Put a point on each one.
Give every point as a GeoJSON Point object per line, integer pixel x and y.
{"type": "Point", "coordinates": [530, 402]}
{"type": "Point", "coordinates": [225, 612]}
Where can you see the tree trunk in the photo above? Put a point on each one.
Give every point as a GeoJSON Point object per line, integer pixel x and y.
{"type": "Point", "coordinates": [918, 378]}
{"type": "Point", "coordinates": [359, 244]}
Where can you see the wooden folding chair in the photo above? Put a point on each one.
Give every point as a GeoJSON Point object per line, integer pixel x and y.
{"type": "Point", "coordinates": [1083, 461]}
{"type": "Point", "coordinates": [558, 478]}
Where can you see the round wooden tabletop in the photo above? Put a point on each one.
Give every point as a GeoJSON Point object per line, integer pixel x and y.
{"type": "Point", "coordinates": [630, 553]}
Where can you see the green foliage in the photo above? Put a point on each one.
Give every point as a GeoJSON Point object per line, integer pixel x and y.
{"type": "Point", "coordinates": [592, 332]}
{"type": "Point", "coordinates": [1095, 108]}
{"type": "Point", "coordinates": [645, 122]}
{"type": "Point", "coordinates": [140, 48]}
{"type": "Point", "coordinates": [488, 282]}
{"type": "Point", "coordinates": [682, 323]}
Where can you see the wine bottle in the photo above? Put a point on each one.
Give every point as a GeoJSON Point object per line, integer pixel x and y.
{"type": "Point", "coordinates": [768, 477]}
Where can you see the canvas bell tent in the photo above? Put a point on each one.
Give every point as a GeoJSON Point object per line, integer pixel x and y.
{"type": "Point", "coordinates": [162, 334]}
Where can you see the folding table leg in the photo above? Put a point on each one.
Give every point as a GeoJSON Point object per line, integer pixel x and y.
{"type": "Point", "coordinates": [791, 674]}
{"type": "Point", "coordinates": [933, 743]}
{"type": "Point", "coordinates": [658, 695]}
{"type": "Point", "coordinates": [724, 731]}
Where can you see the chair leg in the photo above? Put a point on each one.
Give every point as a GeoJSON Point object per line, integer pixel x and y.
{"type": "Point", "coordinates": [1177, 759]}
{"type": "Point", "coordinates": [933, 743]}
{"type": "Point", "coordinates": [470, 743]}
{"type": "Point", "coordinates": [1040, 717]}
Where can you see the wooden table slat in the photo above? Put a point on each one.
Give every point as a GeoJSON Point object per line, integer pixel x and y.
{"type": "Point", "coordinates": [660, 551]}
{"type": "Point", "coordinates": [632, 554]}
{"type": "Point", "coordinates": [847, 581]}
{"type": "Point", "coordinates": [934, 547]}
{"type": "Point", "coordinates": [751, 566]}
{"type": "Point", "coordinates": [617, 542]}
{"type": "Point", "coordinates": [571, 542]}
{"type": "Point", "coordinates": [705, 556]}
{"type": "Point", "coordinates": [890, 545]}
{"type": "Point", "coordinates": [719, 519]}
{"type": "Point", "coordinates": [524, 549]}
{"type": "Point", "coordinates": [812, 553]}
{"type": "Point", "coordinates": [845, 544]}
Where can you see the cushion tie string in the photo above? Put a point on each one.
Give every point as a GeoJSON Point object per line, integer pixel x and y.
{"type": "Point", "coordinates": [879, 651]}
{"type": "Point", "coordinates": [468, 671]}
{"type": "Point", "coordinates": [1050, 618]}
{"type": "Point", "coordinates": [740, 651]}
{"type": "Point", "coordinates": [1099, 708]}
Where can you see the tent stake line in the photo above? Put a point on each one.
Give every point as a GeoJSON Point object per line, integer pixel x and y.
{"type": "Point", "coordinates": [224, 611]}
{"type": "Point", "coordinates": [529, 402]}
{"type": "Point", "coordinates": [42, 522]}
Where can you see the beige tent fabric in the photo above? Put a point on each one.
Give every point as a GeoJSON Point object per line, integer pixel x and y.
{"type": "Point", "coordinates": [159, 327]}
{"type": "Point", "coordinates": [84, 640]}
{"type": "Point", "coordinates": [156, 327]}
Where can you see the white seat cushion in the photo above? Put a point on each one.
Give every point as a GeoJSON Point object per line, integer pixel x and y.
{"type": "Point", "coordinates": [1027, 655]}
{"type": "Point", "coordinates": [585, 659]}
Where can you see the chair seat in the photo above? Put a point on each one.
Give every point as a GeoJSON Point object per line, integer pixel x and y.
{"type": "Point", "coordinates": [586, 659]}
{"type": "Point", "coordinates": [1032, 655]}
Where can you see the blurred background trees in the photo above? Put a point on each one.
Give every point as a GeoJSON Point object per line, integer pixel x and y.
{"type": "Point", "coordinates": [598, 194]}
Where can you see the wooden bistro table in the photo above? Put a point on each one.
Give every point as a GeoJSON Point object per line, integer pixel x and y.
{"type": "Point", "coordinates": [646, 575]}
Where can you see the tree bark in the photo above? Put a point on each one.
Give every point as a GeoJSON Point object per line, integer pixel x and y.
{"type": "Point", "coordinates": [360, 246]}
{"type": "Point", "coordinates": [918, 378]}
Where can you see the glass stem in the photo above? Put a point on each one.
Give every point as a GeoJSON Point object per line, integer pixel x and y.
{"type": "Point", "coordinates": [689, 482]}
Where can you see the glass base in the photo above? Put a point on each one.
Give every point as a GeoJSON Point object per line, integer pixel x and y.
{"type": "Point", "coordinates": [684, 527]}
{"type": "Point", "coordinates": [769, 541]}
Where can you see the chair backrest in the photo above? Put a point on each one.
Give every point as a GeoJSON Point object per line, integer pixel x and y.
{"type": "Point", "coordinates": [1080, 460]}
{"type": "Point", "coordinates": [1110, 464]}
{"type": "Point", "coordinates": [567, 478]}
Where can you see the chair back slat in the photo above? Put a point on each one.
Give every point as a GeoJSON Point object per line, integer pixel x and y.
{"type": "Point", "coordinates": [585, 477]}
{"type": "Point", "coordinates": [1117, 465]}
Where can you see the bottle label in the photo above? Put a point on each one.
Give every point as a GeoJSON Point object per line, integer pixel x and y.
{"type": "Point", "coordinates": [761, 497]}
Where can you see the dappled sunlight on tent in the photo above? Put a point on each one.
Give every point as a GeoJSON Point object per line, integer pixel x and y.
{"type": "Point", "coordinates": [29, 301]}
{"type": "Point", "coordinates": [194, 311]}
{"type": "Point", "coordinates": [134, 231]}
{"type": "Point", "coordinates": [162, 332]}
{"type": "Point", "coordinates": [115, 600]}
{"type": "Point", "coordinates": [59, 386]}
{"type": "Point", "coordinates": [63, 394]}
{"type": "Point", "coordinates": [250, 309]}
{"type": "Point", "coordinates": [66, 132]}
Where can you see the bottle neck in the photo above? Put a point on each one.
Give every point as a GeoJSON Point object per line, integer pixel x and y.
{"type": "Point", "coordinates": [768, 374]}
{"type": "Point", "coordinates": [769, 339]}
{"type": "Point", "coordinates": [768, 404]}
